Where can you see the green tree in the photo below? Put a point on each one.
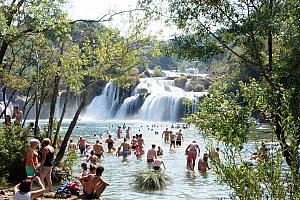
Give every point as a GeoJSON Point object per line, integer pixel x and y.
{"type": "Point", "coordinates": [258, 34]}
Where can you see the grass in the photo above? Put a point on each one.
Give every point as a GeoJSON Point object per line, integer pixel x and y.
{"type": "Point", "coordinates": [150, 180]}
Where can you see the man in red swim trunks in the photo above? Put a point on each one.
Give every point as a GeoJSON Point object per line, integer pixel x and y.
{"type": "Point", "coordinates": [191, 152]}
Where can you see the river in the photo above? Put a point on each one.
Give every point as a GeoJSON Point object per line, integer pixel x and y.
{"type": "Point", "coordinates": [119, 174]}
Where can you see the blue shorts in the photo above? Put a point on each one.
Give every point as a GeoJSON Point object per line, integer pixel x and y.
{"type": "Point", "coordinates": [125, 153]}
{"type": "Point", "coordinates": [82, 149]}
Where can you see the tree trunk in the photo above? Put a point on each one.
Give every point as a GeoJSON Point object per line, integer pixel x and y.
{"type": "Point", "coordinates": [53, 104]}
{"type": "Point", "coordinates": [64, 144]}
{"type": "Point", "coordinates": [39, 108]}
{"type": "Point", "coordinates": [6, 103]}
{"type": "Point", "coordinates": [61, 117]}
{"type": "Point", "coordinates": [28, 111]}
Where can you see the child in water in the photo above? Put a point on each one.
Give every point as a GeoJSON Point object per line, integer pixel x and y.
{"type": "Point", "coordinates": [85, 170]}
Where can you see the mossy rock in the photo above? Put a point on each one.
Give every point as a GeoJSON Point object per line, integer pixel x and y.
{"type": "Point", "coordinates": [180, 82]}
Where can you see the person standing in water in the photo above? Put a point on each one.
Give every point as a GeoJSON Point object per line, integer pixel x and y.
{"type": "Point", "coordinates": [119, 132]}
{"type": "Point", "coordinates": [263, 152]}
{"type": "Point", "coordinates": [141, 143]}
{"type": "Point", "coordinates": [110, 144]}
{"type": "Point", "coordinates": [134, 143]}
{"type": "Point", "coordinates": [98, 149]}
{"type": "Point", "coordinates": [179, 138]}
{"type": "Point", "coordinates": [127, 136]}
{"type": "Point", "coordinates": [191, 152]}
{"type": "Point", "coordinates": [172, 139]}
{"type": "Point", "coordinates": [93, 158]}
{"type": "Point", "coordinates": [158, 163]}
{"type": "Point", "coordinates": [159, 151]}
{"type": "Point", "coordinates": [214, 154]}
{"type": "Point", "coordinates": [203, 164]}
{"type": "Point", "coordinates": [72, 146]}
{"type": "Point", "coordinates": [46, 164]}
{"type": "Point", "coordinates": [82, 144]}
{"type": "Point", "coordinates": [151, 155]}
{"type": "Point", "coordinates": [166, 133]}
{"type": "Point", "coordinates": [125, 147]}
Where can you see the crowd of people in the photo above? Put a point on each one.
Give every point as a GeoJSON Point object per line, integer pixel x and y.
{"type": "Point", "coordinates": [39, 165]}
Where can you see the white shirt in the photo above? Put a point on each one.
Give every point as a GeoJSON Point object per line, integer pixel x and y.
{"type": "Point", "coordinates": [25, 196]}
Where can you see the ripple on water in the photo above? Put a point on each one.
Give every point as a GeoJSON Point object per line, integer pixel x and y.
{"type": "Point", "coordinates": [119, 174]}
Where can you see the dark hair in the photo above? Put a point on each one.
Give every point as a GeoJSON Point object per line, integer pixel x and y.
{"type": "Point", "coordinates": [25, 185]}
{"type": "Point", "coordinates": [84, 166]}
{"type": "Point", "coordinates": [218, 149]}
{"type": "Point", "coordinates": [92, 167]}
{"type": "Point", "coordinates": [153, 145]}
{"type": "Point", "coordinates": [97, 141]}
{"type": "Point", "coordinates": [99, 170]}
{"type": "Point", "coordinates": [92, 152]}
{"type": "Point", "coordinates": [109, 136]}
{"type": "Point", "coordinates": [71, 140]}
{"type": "Point", "coordinates": [124, 139]}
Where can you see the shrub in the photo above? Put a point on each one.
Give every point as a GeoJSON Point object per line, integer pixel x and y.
{"type": "Point", "coordinates": [157, 72]}
{"type": "Point", "coordinates": [150, 180]}
{"type": "Point", "coordinates": [12, 153]}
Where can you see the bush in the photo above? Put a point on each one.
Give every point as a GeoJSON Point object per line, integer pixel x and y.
{"type": "Point", "coordinates": [150, 180]}
{"type": "Point", "coordinates": [194, 87]}
{"type": "Point", "coordinates": [157, 72]}
{"type": "Point", "coordinates": [12, 153]}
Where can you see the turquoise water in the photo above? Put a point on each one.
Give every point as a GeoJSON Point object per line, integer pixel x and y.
{"type": "Point", "coordinates": [119, 174]}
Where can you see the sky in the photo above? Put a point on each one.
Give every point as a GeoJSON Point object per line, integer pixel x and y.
{"type": "Point", "coordinates": [95, 9]}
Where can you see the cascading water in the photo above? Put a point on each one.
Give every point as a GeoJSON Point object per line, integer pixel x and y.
{"type": "Point", "coordinates": [57, 106]}
{"type": "Point", "coordinates": [153, 99]}
{"type": "Point", "coordinates": [105, 105]}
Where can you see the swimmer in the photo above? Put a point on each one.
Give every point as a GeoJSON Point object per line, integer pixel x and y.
{"type": "Point", "coordinates": [203, 164]}
{"type": "Point", "coordinates": [125, 147]}
{"type": "Point", "coordinates": [98, 149]}
{"type": "Point", "coordinates": [151, 155]}
{"type": "Point", "coordinates": [166, 134]}
{"type": "Point", "coordinates": [172, 139]}
{"type": "Point", "coordinates": [158, 163]}
{"type": "Point", "coordinates": [191, 152]}
{"type": "Point", "coordinates": [93, 158]}
{"type": "Point", "coordinates": [110, 144]}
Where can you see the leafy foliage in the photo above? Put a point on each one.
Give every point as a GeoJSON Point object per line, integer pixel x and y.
{"type": "Point", "coordinates": [150, 180]}
{"type": "Point", "coordinates": [12, 153]}
{"type": "Point", "coordinates": [157, 72]}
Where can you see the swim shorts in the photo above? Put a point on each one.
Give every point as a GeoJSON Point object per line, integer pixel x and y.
{"type": "Point", "coordinates": [29, 171]}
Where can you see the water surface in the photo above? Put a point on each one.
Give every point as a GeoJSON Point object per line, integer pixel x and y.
{"type": "Point", "coordinates": [119, 174]}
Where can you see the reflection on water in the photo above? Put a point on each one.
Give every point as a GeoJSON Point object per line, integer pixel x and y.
{"type": "Point", "coordinates": [119, 173]}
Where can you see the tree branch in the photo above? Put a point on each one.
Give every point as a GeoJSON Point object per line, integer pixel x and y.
{"type": "Point", "coordinates": [110, 16]}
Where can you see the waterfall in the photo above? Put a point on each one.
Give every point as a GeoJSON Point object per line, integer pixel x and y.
{"type": "Point", "coordinates": [160, 107]}
{"type": "Point", "coordinates": [105, 105]}
{"type": "Point", "coordinates": [129, 106]}
{"type": "Point", "coordinates": [57, 106]}
{"type": "Point", "coordinates": [153, 99]}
